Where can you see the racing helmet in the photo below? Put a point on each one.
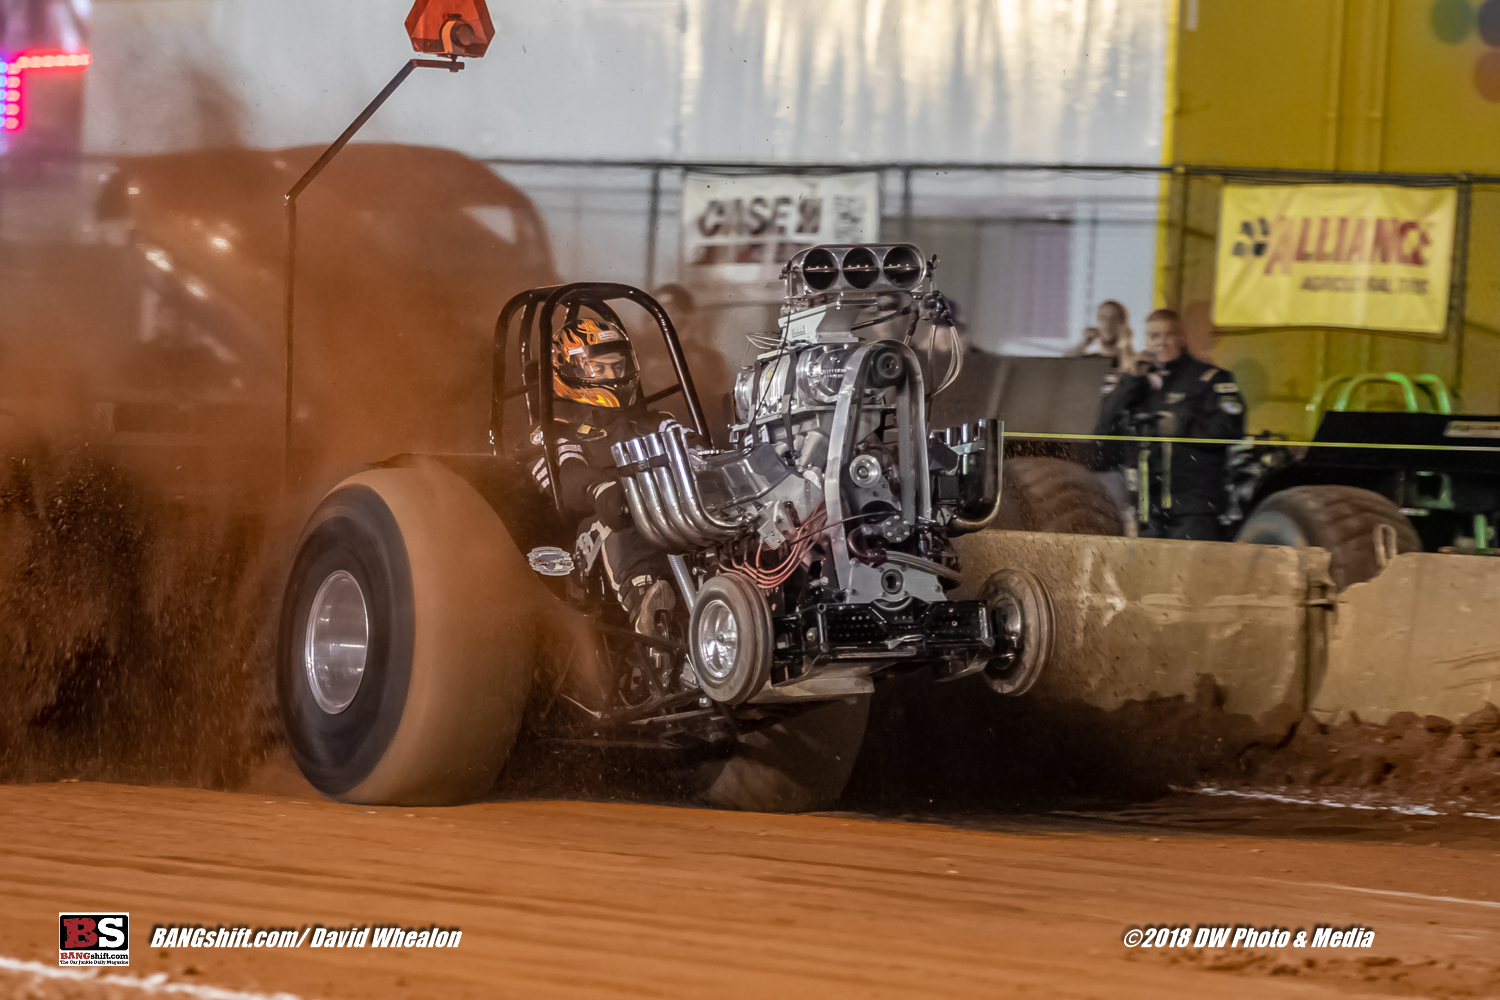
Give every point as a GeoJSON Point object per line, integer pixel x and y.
{"type": "Point", "coordinates": [593, 363]}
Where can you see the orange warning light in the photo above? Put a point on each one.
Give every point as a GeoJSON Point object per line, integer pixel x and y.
{"type": "Point", "coordinates": [450, 27]}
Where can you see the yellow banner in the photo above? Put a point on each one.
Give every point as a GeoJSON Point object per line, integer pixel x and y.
{"type": "Point", "coordinates": [1355, 255]}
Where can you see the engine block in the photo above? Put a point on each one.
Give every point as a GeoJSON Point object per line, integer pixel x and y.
{"type": "Point", "coordinates": [831, 462]}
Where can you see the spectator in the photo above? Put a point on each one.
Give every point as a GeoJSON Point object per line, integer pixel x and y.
{"type": "Point", "coordinates": [1173, 394]}
{"type": "Point", "coordinates": [1112, 338]}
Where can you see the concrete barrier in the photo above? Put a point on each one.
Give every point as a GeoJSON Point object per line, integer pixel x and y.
{"type": "Point", "coordinates": [1141, 618]}
{"type": "Point", "coordinates": [1423, 636]}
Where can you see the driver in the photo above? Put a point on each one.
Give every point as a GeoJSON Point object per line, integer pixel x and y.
{"type": "Point", "coordinates": [596, 380]}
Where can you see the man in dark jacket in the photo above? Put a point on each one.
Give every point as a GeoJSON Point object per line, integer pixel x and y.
{"type": "Point", "coordinates": [1173, 394]}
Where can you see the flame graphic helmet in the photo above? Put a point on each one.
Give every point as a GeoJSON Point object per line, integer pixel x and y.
{"type": "Point", "coordinates": [593, 363]}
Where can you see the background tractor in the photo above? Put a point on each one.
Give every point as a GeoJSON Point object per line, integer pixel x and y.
{"type": "Point", "coordinates": [1365, 505]}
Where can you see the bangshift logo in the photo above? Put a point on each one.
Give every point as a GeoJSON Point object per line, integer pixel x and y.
{"type": "Point", "coordinates": [93, 939]}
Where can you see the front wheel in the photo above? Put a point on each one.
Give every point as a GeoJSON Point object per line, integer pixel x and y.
{"type": "Point", "coordinates": [1022, 614]}
{"type": "Point", "coordinates": [407, 641]}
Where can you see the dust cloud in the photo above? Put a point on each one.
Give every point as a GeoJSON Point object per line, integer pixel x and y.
{"type": "Point", "coordinates": [148, 511]}
{"type": "Point", "coordinates": [128, 646]}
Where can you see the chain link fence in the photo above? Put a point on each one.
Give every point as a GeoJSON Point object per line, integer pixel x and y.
{"type": "Point", "coordinates": [1028, 251]}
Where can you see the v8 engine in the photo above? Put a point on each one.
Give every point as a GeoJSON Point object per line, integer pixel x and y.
{"type": "Point", "coordinates": [816, 550]}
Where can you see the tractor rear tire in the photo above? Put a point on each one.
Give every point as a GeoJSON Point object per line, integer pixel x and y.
{"type": "Point", "coordinates": [1342, 519]}
{"type": "Point", "coordinates": [414, 564]}
{"type": "Point", "coordinates": [1053, 494]}
{"type": "Point", "coordinates": [800, 764]}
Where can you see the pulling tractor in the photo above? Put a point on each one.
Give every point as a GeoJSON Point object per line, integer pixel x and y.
{"type": "Point", "coordinates": [435, 603]}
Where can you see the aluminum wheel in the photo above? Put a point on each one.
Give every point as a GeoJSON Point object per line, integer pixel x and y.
{"type": "Point", "coordinates": [1022, 615]}
{"type": "Point", "coordinates": [718, 640]}
{"type": "Point", "coordinates": [338, 640]}
{"type": "Point", "coordinates": [730, 639]}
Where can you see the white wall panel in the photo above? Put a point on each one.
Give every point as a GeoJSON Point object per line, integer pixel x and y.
{"type": "Point", "coordinates": [777, 81]}
{"type": "Point", "coordinates": [1045, 80]}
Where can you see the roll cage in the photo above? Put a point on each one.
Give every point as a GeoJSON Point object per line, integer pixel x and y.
{"type": "Point", "coordinates": [538, 307]}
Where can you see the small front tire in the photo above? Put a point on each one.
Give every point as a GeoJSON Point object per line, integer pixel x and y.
{"type": "Point", "coordinates": [1021, 611]}
{"type": "Point", "coordinates": [730, 638]}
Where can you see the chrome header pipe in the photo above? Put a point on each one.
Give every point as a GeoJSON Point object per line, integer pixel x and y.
{"type": "Point", "coordinates": [655, 504]}
{"type": "Point", "coordinates": [677, 457]}
{"type": "Point", "coordinates": [636, 502]}
{"type": "Point", "coordinates": [672, 500]}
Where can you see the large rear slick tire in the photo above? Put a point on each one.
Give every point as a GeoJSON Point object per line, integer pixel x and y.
{"type": "Point", "coordinates": [407, 641]}
{"type": "Point", "coordinates": [1345, 520]}
{"type": "Point", "coordinates": [799, 764]}
{"type": "Point", "coordinates": [1053, 494]}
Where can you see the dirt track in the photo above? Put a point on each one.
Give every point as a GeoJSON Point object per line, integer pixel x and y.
{"type": "Point", "coordinates": [576, 899]}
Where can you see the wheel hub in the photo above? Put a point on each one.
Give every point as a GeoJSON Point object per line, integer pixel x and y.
{"type": "Point", "coordinates": [718, 639]}
{"type": "Point", "coordinates": [338, 640]}
{"type": "Point", "coordinates": [730, 639]}
{"type": "Point", "coordinates": [1022, 616]}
